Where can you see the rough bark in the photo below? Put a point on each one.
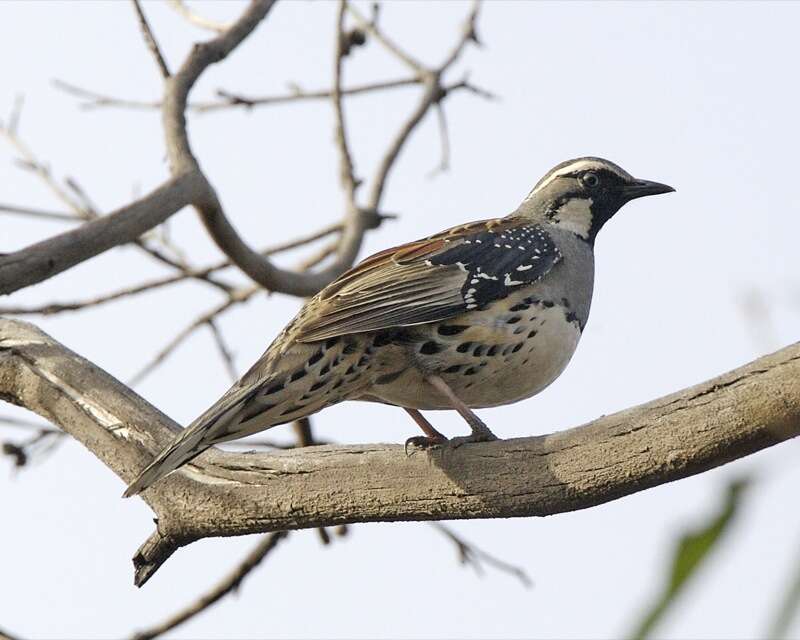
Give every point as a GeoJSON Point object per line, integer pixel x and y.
{"type": "Point", "coordinates": [222, 494]}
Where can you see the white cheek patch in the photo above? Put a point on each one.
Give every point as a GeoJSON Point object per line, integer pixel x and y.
{"type": "Point", "coordinates": [576, 215]}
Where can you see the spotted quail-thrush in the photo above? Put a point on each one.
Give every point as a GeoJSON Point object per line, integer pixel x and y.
{"type": "Point", "coordinates": [480, 315]}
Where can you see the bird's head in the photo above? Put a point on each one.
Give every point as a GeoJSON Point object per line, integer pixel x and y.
{"type": "Point", "coordinates": [582, 195]}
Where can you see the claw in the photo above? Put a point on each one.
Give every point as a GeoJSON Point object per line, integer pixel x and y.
{"type": "Point", "coordinates": [423, 442]}
{"type": "Point", "coordinates": [479, 434]}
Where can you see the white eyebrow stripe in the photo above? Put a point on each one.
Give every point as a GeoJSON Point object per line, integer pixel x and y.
{"type": "Point", "coordinates": [582, 164]}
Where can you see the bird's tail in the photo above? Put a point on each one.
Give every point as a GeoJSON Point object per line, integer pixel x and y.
{"type": "Point", "coordinates": [184, 448]}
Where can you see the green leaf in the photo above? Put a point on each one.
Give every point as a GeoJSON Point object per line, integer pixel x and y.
{"type": "Point", "coordinates": [691, 551]}
{"type": "Point", "coordinates": [789, 608]}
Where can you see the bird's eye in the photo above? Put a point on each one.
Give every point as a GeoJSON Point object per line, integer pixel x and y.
{"type": "Point", "coordinates": [590, 179]}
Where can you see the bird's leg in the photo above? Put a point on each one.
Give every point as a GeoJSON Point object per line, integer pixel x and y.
{"type": "Point", "coordinates": [480, 432]}
{"type": "Point", "coordinates": [431, 437]}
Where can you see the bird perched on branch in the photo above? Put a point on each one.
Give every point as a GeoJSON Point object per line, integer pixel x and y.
{"type": "Point", "coordinates": [480, 315]}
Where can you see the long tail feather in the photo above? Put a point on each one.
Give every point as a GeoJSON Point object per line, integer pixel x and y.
{"type": "Point", "coordinates": [185, 447]}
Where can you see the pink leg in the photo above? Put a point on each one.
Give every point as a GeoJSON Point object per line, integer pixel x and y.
{"type": "Point", "coordinates": [480, 432]}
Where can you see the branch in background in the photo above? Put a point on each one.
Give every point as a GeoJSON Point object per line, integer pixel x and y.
{"type": "Point", "coordinates": [76, 199]}
{"type": "Point", "coordinates": [201, 273]}
{"type": "Point", "coordinates": [357, 220]}
{"type": "Point", "coordinates": [228, 99]}
{"type": "Point", "coordinates": [228, 584]}
{"type": "Point", "coordinates": [49, 257]}
{"type": "Point", "coordinates": [470, 555]}
{"type": "Point", "coordinates": [198, 20]}
{"type": "Point", "coordinates": [150, 40]}
{"type": "Point", "coordinates": [222, 493]}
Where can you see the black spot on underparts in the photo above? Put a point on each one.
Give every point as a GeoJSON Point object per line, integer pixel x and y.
{"type": "Point", "coordinates": [314, 359]}
{"type": "Point", "coordinates": [513, 319]}
{"type": "Point", "coordinates": [274, 388]}
{"type": "Point", "coordinates": [519, 307]}
{"type": "Point", "coordinates": [547, 304]}
{"type": "Point", "coordinates": [519, 330]}
{"type": "Point", "coordinates": [464, 347]}
{"type": "Point", "coordinates": [325, 369]}
{"type": "Point", "coordinates": [541, 324]}
{"type": "Point", "coordinates": [492, 351]}
{"type": "Point", "coordinates": [525, 361]}
{"type": "Point", "coordinates": [389, 377]}
{"type": "Point", "coordinates": [508, 349]}
{"type": "Point", "coordinates": [349, 348]}
{"type": "Point", "coordinates": [330, 342]}
{"type": "Point", "coordinates": [430, 347]}
{"type": "Point", "coordinates": [362, 361]}
{"type": "Point", "coordinates": [483, 364]}
{"type": "Point", "coordinates": [382, 339]}
{"type": "Point", "coordinates": [350, 370]}
{"type": "Point", "coordinates": [531, 300]}
{"type": "Point", "coordinates": [517, 347]}
{"type": "Point", "coordinates": [471, 371]}
{"type": "Point", "coordinates": [318, 385]}
{"type": "Point", "coordinates": [454, 369]}
{"type": "Point", "coordinates": [338, 384]}
{"type": "Point", "coordinates": [532, 333]}
{"type": "Point", "coordinates": [572, 317]}
{"type": "Point", "coordinates": [451, 329]}
{"type": "Point", "coordinates": [478, 351]}
{"type": "Point", "coordinates": [565, 302]}
{"type": "Point", "coordinates": [298, 374]}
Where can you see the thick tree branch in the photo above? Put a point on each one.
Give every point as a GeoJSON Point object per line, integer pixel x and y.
{"type": "Point", "coordinates": [52, 256]}
{"type": "Point", "coordinates": [221, 494]}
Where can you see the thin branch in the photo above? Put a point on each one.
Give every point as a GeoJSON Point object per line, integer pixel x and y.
{"type": "Point", "coordinates": [237, 297]}
{"type": "Point", "coordinates": [371, 27]}
{"type": "Point", "coordinates": [228, 100]}
{"type": "Point", "coordinates": [223, 349]}
{"type": "Point", "coordinates": [49, 257]}
{"type": "Point", "coordinates": [228, 584]}
{"type": "Point", "coordinates": [197, 20]}
{"type": "Point", "coordinates": [150, 40]}
{"type": "Point", "coordinates": [190, 273]}
{"type": "Point", "coordinates": [444, 162]}
{"type": "Point", "coordinates": [223, 493]}
{"type": "Point", "coordinates": [38, 213]}
{"type": "Point", "coordinates": [470, 555]}
{"type": "Point", "coordinates": [346, 171]}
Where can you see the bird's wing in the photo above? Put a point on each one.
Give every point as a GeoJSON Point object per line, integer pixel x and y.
{"type": "Point", "coordinates": [442, 276]}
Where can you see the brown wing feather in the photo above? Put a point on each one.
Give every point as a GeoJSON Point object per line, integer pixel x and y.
{"type": "Point", "coordinates": [392, 288]}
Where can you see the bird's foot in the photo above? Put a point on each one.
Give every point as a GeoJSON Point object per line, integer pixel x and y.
{"type": "Point", "coordinates": [424, 442]}
{"type": "Point", "coordinates": [480, 433]}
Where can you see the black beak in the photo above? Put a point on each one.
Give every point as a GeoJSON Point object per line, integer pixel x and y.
{"type": "Point", "coordinates": [641, 188]}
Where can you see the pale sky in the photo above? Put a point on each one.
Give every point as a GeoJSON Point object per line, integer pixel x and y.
{"type": "Point", "coordinates": [701, 96]}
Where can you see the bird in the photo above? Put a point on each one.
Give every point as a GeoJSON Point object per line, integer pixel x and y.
{"type": "Point", "coordinates": [484, 314]}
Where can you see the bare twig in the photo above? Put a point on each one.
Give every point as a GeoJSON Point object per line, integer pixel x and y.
{"type": "Point", "coordinates": [228, 584]}
{"type": "Point", "coordinates": [197, 20]}
{"type": "Point", "coordinates": [150, 40]}
{"type": "Point", "coordinates": [38, 213]}
{"type": "Point", "coordinates": [239, 296]}
{"type": "Point", "coordinates": [94, 100]}
{"type": "Point", "coordinates": [223, 349]}
{"type": "Point", "coordinates": [199, 273]}
{"type": "Point", "coordinates": [346, 170]}
{"type": "Point", "coordinates": [371, 27]}
{"type": "Point", "coordinates": [470, 555]}
{"type": "Point", "coordinates": [444, 162]}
